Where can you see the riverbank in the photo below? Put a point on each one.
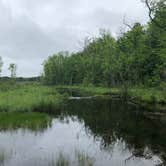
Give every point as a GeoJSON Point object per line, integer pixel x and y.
{"type": "Point", "coordinates": [153, 99]}
{"type": "Point", "coordinates": [40, 98]}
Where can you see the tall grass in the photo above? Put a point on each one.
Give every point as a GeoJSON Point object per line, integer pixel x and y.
{"type": "Point", "coordinates": [150, 95]}
{"type": "Point", "coordinates": [31, 120]}
{"type": "Point", "coordinates": [39, 98]}
{"type": "Point", "coordinates": [30, 98]}
{"type": "Point", "coordinates": [157, 94]}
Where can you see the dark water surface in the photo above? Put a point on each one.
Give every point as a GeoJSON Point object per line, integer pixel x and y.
{"type": "Point", "coordinates": [88, 132]}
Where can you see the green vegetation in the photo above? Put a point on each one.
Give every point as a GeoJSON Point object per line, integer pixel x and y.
{"type": "Point", "coordinates": [30, 98]}
{"type": "Point", "coordinates": [41, 98]}
{"type": "Point", "coordinates": [133, 65]}
{"type": "Point", "coordinates": [32, 121]}
{"type": "Point", "coordinates": [137, 57]}
{"type": "Point", "coordinates": [143, 94]}
{"type": "Point", "coordinates": [86, 90]}
{"type": "Point", "coordinates": [152, 98]}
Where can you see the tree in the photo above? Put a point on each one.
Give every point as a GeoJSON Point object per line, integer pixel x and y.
{"type": "Point", "coordinates": [156, 7]}
{"type": "Point", "coordinates": [130, 49]}
{"type": "Point", "coordinates": [137, 57]}
{"type": "Point", "coordinates": [13, 68]}
{"type": "Point", "coordinates": [156, 60]}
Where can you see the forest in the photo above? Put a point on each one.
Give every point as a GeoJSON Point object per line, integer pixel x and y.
{"type": "Point", "coordinates": [137, 57]}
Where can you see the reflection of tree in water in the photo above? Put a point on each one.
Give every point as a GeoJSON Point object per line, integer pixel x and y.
{"type": "Point", "coordinates": [115, 120]}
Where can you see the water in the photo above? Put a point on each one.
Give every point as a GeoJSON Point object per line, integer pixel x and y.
{"type": "Point", "coordinates": [90, 132]}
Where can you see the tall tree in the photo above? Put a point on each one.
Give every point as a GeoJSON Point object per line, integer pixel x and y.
{"type": "Point", "coordinates": [157, 41]}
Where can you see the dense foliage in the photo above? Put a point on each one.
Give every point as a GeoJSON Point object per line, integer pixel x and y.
{"type": "Point", "coordinates": [136, 57]}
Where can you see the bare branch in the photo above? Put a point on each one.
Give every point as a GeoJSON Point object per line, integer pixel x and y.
{"type": "Point", "coordinates": [125, 23]}
{"type": "Point", "coordinates": [152, 7]}
{"type": "Point", "coordinates": [149, 8]}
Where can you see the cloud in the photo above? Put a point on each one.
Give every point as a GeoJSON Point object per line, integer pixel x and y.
{"type": "Point", "coordinates": [31, 30]}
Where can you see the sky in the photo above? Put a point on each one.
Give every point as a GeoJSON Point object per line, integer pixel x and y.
{"type": "Point", "coordinates": [32, 30]}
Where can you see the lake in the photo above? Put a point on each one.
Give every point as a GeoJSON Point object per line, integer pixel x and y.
{"type": "Point", "coordinates": [87, 132]}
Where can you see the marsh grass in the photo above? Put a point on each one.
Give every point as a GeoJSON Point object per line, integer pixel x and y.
{"type": "Point", "coordinates": [30, 120]}
{"type": "Point", "coordinates": [87, 90]}
{"type": "Point", "coordinates": [150, 95]}
{"type": "Point", "coordinates": [40, 98]}
{"type": "Point", "coordinates": [143, 94]}
{"type": "Point", "coordinates": [8, 85]}
{"type": "Point", "coordinates": [27, 98]}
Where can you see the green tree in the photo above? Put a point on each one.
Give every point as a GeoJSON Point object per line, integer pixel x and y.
{"type": "Point", "coordinates": [131, 51]}
{"type": "Point", "coordinates": [137, 57]}
{"type": "Point", "coordinates": [156, 44]}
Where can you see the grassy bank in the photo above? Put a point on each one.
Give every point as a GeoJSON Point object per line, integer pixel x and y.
{"type": "Point", "coordinates": [40, 98]}
{"type": "Point", "coordinates": [29, 98]}
{"type": "Point", "coordinates": [31, 120]}
{"type": "Point", "coordinates": [152, 98]}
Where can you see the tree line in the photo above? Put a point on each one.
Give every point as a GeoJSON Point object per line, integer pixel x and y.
{"type": "Point", "coordinates": [136, 57]}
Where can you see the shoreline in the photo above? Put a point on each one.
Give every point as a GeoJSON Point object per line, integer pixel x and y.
{"type": "Point", "coordinates": [153, 102]}
{"type": "Point", "coordinates": [41, 98]}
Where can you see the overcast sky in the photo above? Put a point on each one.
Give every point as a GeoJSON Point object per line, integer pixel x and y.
{"type": "Point", "coordinates": [31, 30]}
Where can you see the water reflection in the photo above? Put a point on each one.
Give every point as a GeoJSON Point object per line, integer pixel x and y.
{"type": "Point", "coordinates": [110, 121]}
{"type": "Point", "coordinates": [91, 132]}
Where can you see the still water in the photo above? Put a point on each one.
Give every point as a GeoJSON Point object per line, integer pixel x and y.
{"type": "Point", "coordinates": [88, 132]}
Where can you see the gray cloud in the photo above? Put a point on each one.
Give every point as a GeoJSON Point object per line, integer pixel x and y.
{"type": "Point", "coordinates": [31, 30]}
